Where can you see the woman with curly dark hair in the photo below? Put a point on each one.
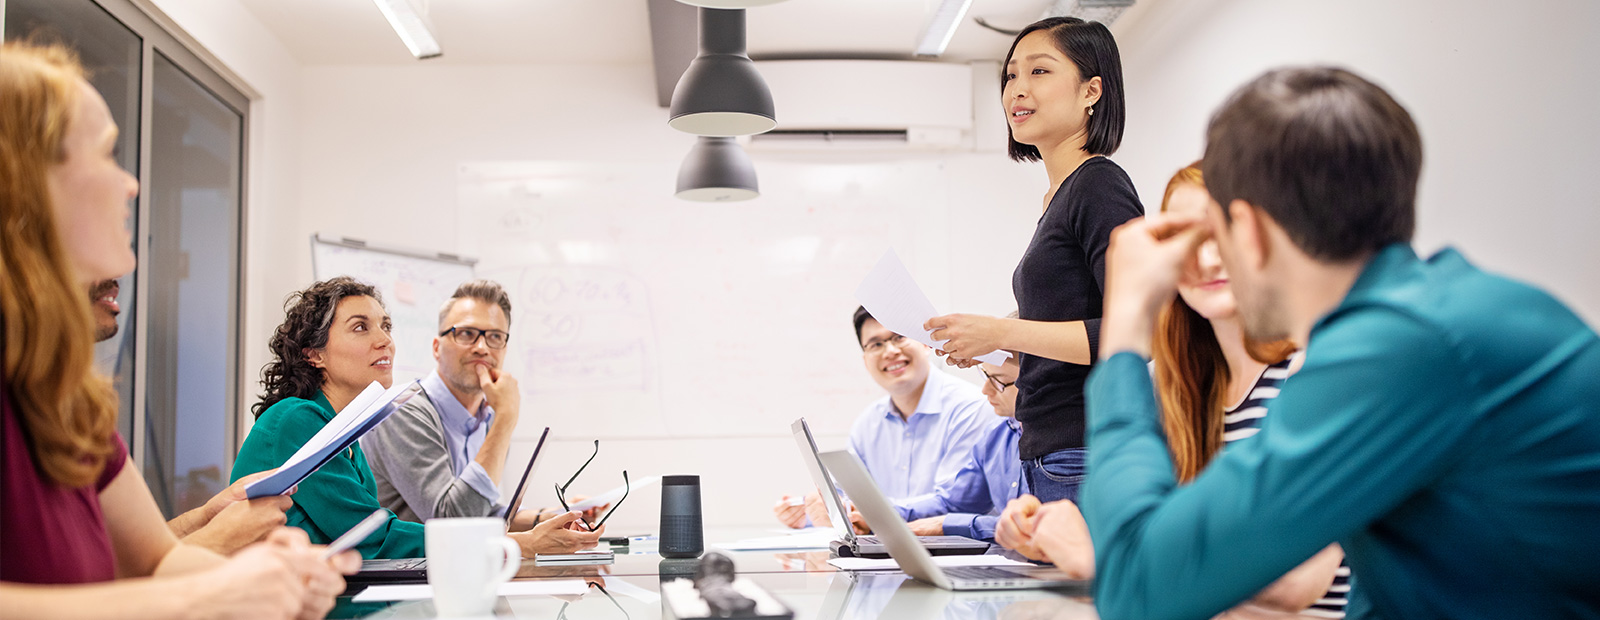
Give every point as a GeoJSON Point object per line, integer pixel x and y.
{"type": "Point", "coordinates": [333, 343]}
{"type": "Point", "coordinates": [296, 370]}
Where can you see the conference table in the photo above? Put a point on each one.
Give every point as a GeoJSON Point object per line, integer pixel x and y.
{"type": "Point", "coordinates": [629, 589]}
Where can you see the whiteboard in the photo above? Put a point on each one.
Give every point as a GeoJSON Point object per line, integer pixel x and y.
{"type": "Point", "coordinates": [414, 284]}
{"type": "Point", "coordinates": [646, 316]}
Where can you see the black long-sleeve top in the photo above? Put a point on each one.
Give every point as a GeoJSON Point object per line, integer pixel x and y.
{"type": "Point", "coordinates": [1062, 278]}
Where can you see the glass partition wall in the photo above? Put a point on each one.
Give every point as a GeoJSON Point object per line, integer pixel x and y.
{"type": "Point", "coordinates": [174, 347]}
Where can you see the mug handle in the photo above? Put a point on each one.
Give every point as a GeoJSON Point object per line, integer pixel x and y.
{"type": "Point", "coordinates": [510, 562]}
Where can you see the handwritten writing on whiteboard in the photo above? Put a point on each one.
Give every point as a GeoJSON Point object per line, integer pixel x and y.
{"type": "Point", "coordinates": [614, 366]}
{"type": "Point", "coordinates": [582, 329]}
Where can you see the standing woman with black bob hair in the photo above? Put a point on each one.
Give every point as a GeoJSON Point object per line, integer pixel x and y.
{"type": "Point", "coordinates": [1063, 98]}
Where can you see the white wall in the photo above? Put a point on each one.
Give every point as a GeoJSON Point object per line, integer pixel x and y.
{"type": "Point", "coordinates": [1504, 94]}
{"type": "Point", "coordinates": [379, 159]}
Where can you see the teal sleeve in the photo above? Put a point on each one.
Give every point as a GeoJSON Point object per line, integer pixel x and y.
{"type": "Point", "coordinates": [337, 496]}
{"type": "Point", "coordinates": [1371, 418]}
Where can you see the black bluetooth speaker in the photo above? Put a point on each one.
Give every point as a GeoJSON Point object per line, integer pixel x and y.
{"type": "Point", "coordinates": [682, 535]}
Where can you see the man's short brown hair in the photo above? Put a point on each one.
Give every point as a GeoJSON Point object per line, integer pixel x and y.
{"type": "Point", "coordinates": [486, 291]}
{"type": "Point", "coordinates": [1329, 155]}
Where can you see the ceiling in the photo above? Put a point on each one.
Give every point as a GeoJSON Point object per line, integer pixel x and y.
{"type": "Point", "coordinates": [353, 32]}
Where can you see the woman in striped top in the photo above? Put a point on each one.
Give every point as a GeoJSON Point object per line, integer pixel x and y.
{"type": "Point", "coordinates": [1214, 384]}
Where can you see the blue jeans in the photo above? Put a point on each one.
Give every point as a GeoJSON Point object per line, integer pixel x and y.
{"type": "Point", "coordinates": [1057, 475]}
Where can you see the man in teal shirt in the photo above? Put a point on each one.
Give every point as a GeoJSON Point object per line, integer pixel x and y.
{"type": "Point", "coordinates": [1445, 428]}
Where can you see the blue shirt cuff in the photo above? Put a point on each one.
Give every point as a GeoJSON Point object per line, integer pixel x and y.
{"type": "Point", "coordinates": [958, 524]}
{"type": "Point", "coordinates": [920, 507]}
{"type": "Point", "coordinates": [478, 478]}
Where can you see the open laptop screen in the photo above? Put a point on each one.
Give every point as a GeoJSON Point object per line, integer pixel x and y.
{"type": "Point", "coordinates": [522, 486]}
{"type": "Point", "coordinates": [819, 476]}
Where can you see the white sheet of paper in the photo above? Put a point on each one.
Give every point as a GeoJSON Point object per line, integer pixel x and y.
{"type": "Point", "coordinates": [892, 296]}
{"type": "Point", "coordinates": [422, 591]}
{"type": "Point", "coordinates": [340, 421]}
{"type": "Point", "coordinates": [360, 415]}
{"type": "Point", "coordinates": [858, 564]}
{"type": "Point", "coordinates": [816, 538]}
{"type": "Point", "coordinates": [614, 494]}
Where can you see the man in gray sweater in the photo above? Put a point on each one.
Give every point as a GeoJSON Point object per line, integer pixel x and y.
{"type": "Point", "coordinates": [441, 455]}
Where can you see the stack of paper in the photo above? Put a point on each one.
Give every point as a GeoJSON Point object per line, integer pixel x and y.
{"type": "Point", "coordinates": [371, 407]}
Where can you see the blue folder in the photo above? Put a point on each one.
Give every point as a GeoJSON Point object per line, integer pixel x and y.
{"type": "Point", "coordinates": [355, 424]}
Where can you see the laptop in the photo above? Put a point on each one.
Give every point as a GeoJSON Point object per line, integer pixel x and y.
{"type": "Point", "coordinates": [915, 560]}
{"type": "Point", "coordinates": [849, 544]}
{"type": "Point", "coordinates": [416, 569]}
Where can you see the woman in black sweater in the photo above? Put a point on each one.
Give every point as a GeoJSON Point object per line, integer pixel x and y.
{"type": "Point", "coordinates": [1062, 93]}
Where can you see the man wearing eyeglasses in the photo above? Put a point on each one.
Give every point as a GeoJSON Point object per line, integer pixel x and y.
{"type": "Point", "coordinates": [913, 439]}
{"type": "Point", "coordinates": [970, 504]}
{"type": "Point", "coordinates": [441, 456]}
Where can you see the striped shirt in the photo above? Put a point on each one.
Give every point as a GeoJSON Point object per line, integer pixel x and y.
{"type": "Point", "coordinates": [1244, 420]}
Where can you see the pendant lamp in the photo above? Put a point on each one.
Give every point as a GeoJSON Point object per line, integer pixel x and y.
{"type": "Point", "coordinates": [721, 94]}
{"type": "Point", "coordinates": [717, 170]}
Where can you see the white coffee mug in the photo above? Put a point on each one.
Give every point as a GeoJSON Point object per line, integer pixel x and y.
{"type": "Point", "coordinates": [468, 559]}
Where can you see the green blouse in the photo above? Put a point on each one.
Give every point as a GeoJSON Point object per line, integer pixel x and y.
{"type": "Point", "coordinates": [335, 498]}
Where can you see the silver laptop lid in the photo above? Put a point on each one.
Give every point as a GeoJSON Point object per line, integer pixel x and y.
{"type": "Point", "coordinates": [522, 485]}
{"type": "Point", "coordinates": [886, 523]}
{"type": "Point", "coordinates": [819, 476]}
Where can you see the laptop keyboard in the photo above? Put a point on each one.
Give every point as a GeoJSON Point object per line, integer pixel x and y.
{"type": "Point", "coordinates": [980, 572]}
{"type": "Point", "coordinates": [407, 564]}
{"type": "Point", "coordinates": [873, 540]}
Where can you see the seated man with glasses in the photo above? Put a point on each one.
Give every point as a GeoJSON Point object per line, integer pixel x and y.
{"type": "Point", "coordinates": [914, 439]}
{"type": "Point", "coordinates": [442, 455]}
{"type": "Point", "coordinates": [970, 505]}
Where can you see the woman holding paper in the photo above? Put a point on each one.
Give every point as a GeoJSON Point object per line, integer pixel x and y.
{"type": "Point", "coordinates": [333, 343]}
{"type": "Point", "coordinates": [82, 537]}
{"type": "Point", "coordinates": [1062, 93]}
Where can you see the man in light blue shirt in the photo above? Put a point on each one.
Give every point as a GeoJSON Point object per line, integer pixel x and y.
{"type": "Point", "coordinates": [970, 504]}
{"type": "Point", "coordinates": [441, 455]}
{"type": "Point", "coordinates": [916, 437]}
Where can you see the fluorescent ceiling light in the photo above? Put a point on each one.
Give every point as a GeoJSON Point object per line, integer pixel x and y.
{"type": "Point", "coordinates": [945, 21]}
{"type": "Point", "coordinates": [411, 23]}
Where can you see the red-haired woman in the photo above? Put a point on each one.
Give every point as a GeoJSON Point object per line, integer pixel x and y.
{"type": "Point", "coordinates": [81, 535]}
{"type": "Point", "coordinates": [1214, 385]}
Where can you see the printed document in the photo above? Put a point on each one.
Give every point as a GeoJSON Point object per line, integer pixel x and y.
{"type": "Point", "coordinates": [892, 296]}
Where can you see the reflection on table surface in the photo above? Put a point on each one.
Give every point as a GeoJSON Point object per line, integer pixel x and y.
{"type": "Point", "coordinates": [629, 589]}
{"type": "Point", "coordinates": [823, 596]}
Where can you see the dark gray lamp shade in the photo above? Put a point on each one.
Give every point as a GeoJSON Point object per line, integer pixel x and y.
{"type": "Point", "coordinates": [721, 93]}
{"type": "Point", "coordinates": [729, 4]}
{"type": "Point", "coordinates": [717, 170]}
